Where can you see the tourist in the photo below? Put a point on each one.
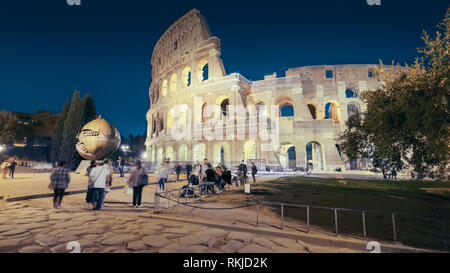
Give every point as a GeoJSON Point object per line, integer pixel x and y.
{"type": "Point", "coordinates": [254, 171]}
{"type": "Point", "coordinates": [178, 170]}
{"type": "Point", "coordinates": [137, 181]}
{"type": "Point", "coordinates": [218, 170]}
{"type": "Point", "coordinates": [204, 165]}
{"type": "Point", "coordinates": [243, 168]}
{"type": "Point", "coordinates": [394, 173]}
{"type": "Point", "coordinates": [59, 181]}
{"type": "Point", "coordinates": [4, 168]}
{"type": "Point", "coordinates": [188, 168]}
{"type": "Point", "coordinates": [90, 190]}
{"type": "Point", "coordinates": [163, 174]}
{"type": "Point", "coordinates": [226, 175]}
{"type": "Point", "coordinates": [108, 164]}
{"type": "Point", "coordinates": [12, 167]}
{"type": "Point", "coordinates": [120, 164]}
{"type": "Point", "coordinates": [98, 177]}
{"type": "Point", "coordinates": [208, 176]}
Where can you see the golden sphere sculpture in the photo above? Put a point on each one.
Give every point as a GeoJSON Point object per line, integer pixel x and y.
{"type": "Point", "coordinates": [97, 139]}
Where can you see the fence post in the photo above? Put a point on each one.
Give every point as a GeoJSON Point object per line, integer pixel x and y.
{"type": "Point", "coordinates": [444, 239]}
{"type": "Point", "coordinates": [282, 215]}
{"type": "Point", "coordinates": [168, 201]}
{"type": "Point", "coordinates": [393, 228]}
{"type": "Point", "coordinates": [257, 215]}
{"type": "Point", "coordinates": [336, 221]}
{"type": "Point", "coordinates": [178, 198]}
{"type": "Point", "coordinates": [156, 203]}
{"type": "Point", "coordinates": [307, 219]}
{"type": "Point", "coordinates": [364, 224]}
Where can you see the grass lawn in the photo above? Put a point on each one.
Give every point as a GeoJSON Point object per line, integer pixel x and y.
{"type": "Point", "coordinates": [402, 197]}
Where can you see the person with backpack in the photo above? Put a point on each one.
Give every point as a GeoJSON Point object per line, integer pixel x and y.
{"type": "Point", "coordinates": [59, 181]}
{"type": "Point", "coordinates": [254, 171]}
{"type": "Point", "coordinates": [90, 190]}
{"type": "Point", "coordinates": [138, 180]}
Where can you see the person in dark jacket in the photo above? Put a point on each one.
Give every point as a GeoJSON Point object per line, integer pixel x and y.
{"type": "Point", "coordinates": [12, 167]}
{"type": "Point", "coordinates": [209, 175]}
{"type": "Point", "coordinates": [188, 168]}
{"type": "Point", "coordinates": [243, 169]}
{"type": "Point", "coordinates": [90, 190]}
{"type": "Point", "coordinates": [59, 181]}
{"type": "Point", "coordinates": [254, 171]}
{"type": "Point", "coordinates": [178, 170]}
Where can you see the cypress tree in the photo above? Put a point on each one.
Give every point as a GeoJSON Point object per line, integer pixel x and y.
{"type": "Point", "coordinates": [89, 112]}
{"type": "Point", "coordinates": [58, 133]}
{"type": "Point", "coordinates": [72, 125]}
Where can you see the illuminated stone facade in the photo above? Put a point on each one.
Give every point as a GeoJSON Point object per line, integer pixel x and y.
{"type": "Point", "coordinates": [186, 64]}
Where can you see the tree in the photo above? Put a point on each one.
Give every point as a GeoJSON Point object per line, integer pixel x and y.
{"type": "Point", "coordinates": [89, 112]}
{"type": "Point", "coordinates": [72, 125]}
{"type": "Point", "coordinates": [58, 133]}
{"type": "Point", "coordinates": [407, 118]}
{"type": "Point", "coordinates": [8, 127]}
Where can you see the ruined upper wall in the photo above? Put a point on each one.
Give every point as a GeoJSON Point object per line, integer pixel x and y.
{"type": "Point", "coordinates": [182, 38]}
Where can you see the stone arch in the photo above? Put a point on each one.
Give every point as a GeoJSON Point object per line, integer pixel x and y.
{"type": "Point", "coordinates": [186, 76]}
{"type": "Point", "coordinates": [350, 93]}
{"type": "Point", "coordinates": [202, 70]}
{"type": "Point", "coordinates": [286, 105]}
{"type": "Point", "coordinates": [164, 88]}
{"type": "Point", "coordinates": [222, 153]}
{"type": "Point", "coordinates": [199, 152]}
{"type": "Point", "coordinates": [203, 112]}
{"type": "Point", "coordinates": [332, 111]}
{"type": "Point", "coordinates": [249, 150]}
{"type": "Point", "coordinates": [313, 110]}
{"type": "Point", "coordinates": [287, 156]}
{"type": "Point", "coordinates": [173, 82]}
{"type": "Point", "coordinates": [315, 156]}
{"type": "Point", "coordinates": [159, 156]}
{"type": "Point", "coordinates": [170, 153]}
{"type": "Point", "coordinates": [182, 153]}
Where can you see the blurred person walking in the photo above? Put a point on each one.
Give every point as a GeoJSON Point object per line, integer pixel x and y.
{"type": "Point", "coordinates": [59, 181]}
{"type": "Point", "coordinates": [163, 171]}
{"type": "Point", "coordinates": [90, 190]}
{"type": "Point", "coordinates": [98, 181]}
{"type": "Point", "coordinates": [4, 168]}
{"type": "Point", "coordinates": [138, 180]}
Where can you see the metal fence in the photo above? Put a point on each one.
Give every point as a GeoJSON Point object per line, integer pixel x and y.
{"type": "Point", "coordinates": [432, 230]}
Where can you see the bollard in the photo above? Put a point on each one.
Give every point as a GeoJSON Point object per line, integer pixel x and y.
{"type": "Point", "coordinates": [307, 219]}
{"type": "Point", "coordinates": [364, 224]}
{"type": "Point", "coordinates": [336, 221]}
{"type": "Point", "coordinates": [257, 215]}
{"type": "Point", "coordinates": [393, 228]}
{"type": "Point", "coordinates": [282, 215]}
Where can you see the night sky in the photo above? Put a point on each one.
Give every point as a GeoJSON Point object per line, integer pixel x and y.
{"type": "Point", "coordinates": [48, 48]}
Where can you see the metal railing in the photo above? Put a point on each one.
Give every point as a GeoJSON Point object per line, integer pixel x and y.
{"type": "Point", "coordinates": [390, 216]}
{"type": "Point", "coordinates": [363, 213]}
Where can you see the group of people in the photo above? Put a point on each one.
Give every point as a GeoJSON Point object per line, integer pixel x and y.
{"type": "Point", "coordinates": [8, 165]}
{"type": "Point", "coordinates": [209, 177]}
{"type": "Point", "coordinates": [100, 176]}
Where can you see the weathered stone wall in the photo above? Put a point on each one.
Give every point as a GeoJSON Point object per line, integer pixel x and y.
{"type": "Point", "coordinates": [187, 46]}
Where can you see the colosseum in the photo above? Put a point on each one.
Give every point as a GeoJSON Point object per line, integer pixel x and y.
{"type": "Point", "coordinates": [312, 105]}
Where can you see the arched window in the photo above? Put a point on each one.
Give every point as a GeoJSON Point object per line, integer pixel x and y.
{"type": "Point", "coordinates": [223, 108]}
{"type": "Point", "coordinates": [287, 110]}
{"type": "Point", "coordinates": [173, 82]}
{"type": "Point", "coordinates": [313, 111]}
{"type": "Point", "coordinates": [331, 112]}
{"type": "Point", "coordinates": [202, 70]}
{"type": "Point", "coordinates": [186, 76]}
{"type": "Point", "coordinates": [349, 93]}
{"type": "Point", "coordinates": [164, 88]}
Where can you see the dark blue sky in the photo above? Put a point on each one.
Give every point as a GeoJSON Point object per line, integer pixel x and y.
{"type": "Point", "coordinates": [48, 48]}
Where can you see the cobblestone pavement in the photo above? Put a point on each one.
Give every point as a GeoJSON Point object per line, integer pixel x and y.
{"type": "Point", "coordinates": [33, 226]}
{"type": "Point", "coordinates": [27, 228]}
